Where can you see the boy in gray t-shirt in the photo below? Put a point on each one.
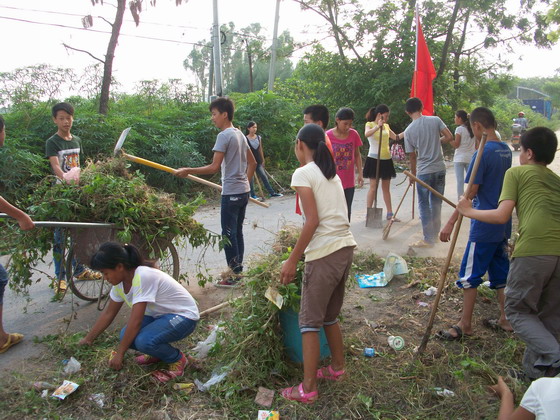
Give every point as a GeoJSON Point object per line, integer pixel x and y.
{"type": "Point", "coordinates": [233, 156]}
{"type": "Point", "coordinates": [422, 141]}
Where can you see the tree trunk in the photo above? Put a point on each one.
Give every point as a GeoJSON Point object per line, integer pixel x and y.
{"type": "Point", "coordinates": [250, 60]}
{"type": "Point", "coordinates": [448, 39]}
{"type": "Point", "coordinates": [109, 57]}
{"type": "Point", "coordinates": [332, 20]}
{"type": "Point", "coordinates": [454, 101]}
{"type": "Point", "coordinates": [409, 53]}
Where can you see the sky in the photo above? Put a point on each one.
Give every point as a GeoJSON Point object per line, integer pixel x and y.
{"type": "Point", "coordinates": [33, 32]}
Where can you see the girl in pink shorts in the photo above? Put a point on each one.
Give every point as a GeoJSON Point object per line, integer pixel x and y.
{"type": "Point", "coordinates": [328, 246]}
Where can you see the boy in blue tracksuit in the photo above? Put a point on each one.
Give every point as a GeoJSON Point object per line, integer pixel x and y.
{"type": "Point", "coordinates": [486, 248]}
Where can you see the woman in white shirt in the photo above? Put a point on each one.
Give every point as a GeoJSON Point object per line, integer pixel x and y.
{"type": "Point", "coordinates": [464, 144]}
{"type": "Point", "coordinates": [162, 310]}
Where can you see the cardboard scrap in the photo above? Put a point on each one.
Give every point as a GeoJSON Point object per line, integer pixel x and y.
{"type": "Point", "coordinates": [264, 396]}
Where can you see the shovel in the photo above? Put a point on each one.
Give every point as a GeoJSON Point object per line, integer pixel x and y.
{"type": "Point", "coordinates": [374, 215]}
{"type": "Point", "coordinates": [118, 151]}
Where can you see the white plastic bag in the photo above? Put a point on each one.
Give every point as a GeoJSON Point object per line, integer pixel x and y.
{"type": "Point", "coordinates": [72, 366]}
{"type": "Point", "coordinates": [200, 351]}
{"type": "Point", "coordinates": [394, 266]}
{"type": "Point", "coordinates": [214, 379]}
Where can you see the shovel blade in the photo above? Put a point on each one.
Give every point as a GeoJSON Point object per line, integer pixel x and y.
{"type": "Point", "coordinates": [374, 218]}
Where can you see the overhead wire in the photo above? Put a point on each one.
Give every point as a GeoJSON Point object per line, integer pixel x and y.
{"type": "Point", "coordinates": [129, 21]}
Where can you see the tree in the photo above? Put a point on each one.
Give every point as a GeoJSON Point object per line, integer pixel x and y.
{"type": "Point", "coordinates": [198, 62]}
{"type": "Point", "coordinates": [87, 21]}
{"type": "Point", "coordinates": [31, 85]}
{"type": "Point", "coordinates": [245, 59]}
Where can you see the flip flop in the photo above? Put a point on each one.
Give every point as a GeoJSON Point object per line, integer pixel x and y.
{"type": "Point", "coordinates": [13, 339]}
{"type": "Point", "coordinates": [447, 336]}
{"type": "Point", "coordinates": [332, 375]}
{"type": "Point", "coordinates": [305, 398]}
{"type": "Point", "coordinates": [493, 324]}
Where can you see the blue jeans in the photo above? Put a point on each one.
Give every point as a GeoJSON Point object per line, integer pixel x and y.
{"type": "Point", "coordinates": [59, 268]}
{"type": "Point", "coordinates": [429, 205]}
{"type": "Point", "coordinates": [262, 175]}
{"type": "Point", "coordinates": [156, 333]}
{"type": "Point", "coordinates": [3, 283]}
{"type": "Point", "coordinates": [232, 216]}
{"type": "Point", "coordinates": [460, 172]}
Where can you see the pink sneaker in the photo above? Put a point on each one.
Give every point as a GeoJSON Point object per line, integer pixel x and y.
{"type": "Point", "coordinates": [175, 370]}
{"type": "Point", "coordinates": [146, 359]}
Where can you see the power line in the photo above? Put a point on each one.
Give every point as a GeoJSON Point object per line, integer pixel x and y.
{"type": "Point", "coordinates": [58, 25]}
{"type": "Point", "coordinates": [127, 20]}
{"type": "Point", "coordinates": [81, 16]}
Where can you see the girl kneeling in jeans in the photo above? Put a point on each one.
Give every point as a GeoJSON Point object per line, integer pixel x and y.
{"type": "Point", "coordinates": [163, 311]}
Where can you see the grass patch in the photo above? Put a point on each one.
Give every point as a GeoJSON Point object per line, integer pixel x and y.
{"type": "Point", "coordinates": [391, 385]}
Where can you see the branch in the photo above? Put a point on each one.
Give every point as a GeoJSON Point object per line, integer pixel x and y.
{"type": "Point", "coordinates": [105, 20]}
{"type": "Point", "coordinates": [334, 26]}
{"type": "Point", "coordinates": [498, 41]}
{"type": "Point", "coordinates": [86, 52]}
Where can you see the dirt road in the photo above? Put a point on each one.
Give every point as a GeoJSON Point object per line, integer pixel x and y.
{"type": "Point", "coordinates": [40, 316]}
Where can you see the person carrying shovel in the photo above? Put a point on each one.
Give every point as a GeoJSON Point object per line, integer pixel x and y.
{"type": "Point", "coordinates": [377, 118]}
{"type": "Point", "coordinates": [233, 155]}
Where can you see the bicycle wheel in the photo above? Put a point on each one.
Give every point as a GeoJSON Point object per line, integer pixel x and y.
{"type": "Point", "coordinates": [168, 259]}
{"type": "Point", "coordinates": [90, 289]}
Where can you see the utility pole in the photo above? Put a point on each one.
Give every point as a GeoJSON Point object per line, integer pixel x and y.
{"type": "Point", "coordinates": [211, 79]}
{"type": "Point", "coordinates": [250, 59]}
{"type": "Point", "coordinates": [271, 70]}
{"type": "Point", "coordinates": [217, 51]}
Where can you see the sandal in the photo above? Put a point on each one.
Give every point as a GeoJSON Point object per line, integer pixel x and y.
{"type": "Point", "coordinates": [447, 336]}
{"type": "Point", "coordinates": [305, 398]}
{"type": "Point", "coordinates": [390, 217]}
{"type": "Point", "coordinates": [12, 340]}
{"type": "Point", "coordinates": [333, 375]}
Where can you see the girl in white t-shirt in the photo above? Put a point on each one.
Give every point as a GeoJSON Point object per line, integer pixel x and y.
{"type": "Point", "coordinates": [328, 246]}
{"type": "Point", "coordinates": [162, 310]}
{"type": "Point", "coordinates": [465, 146]}
{"type": "Point", "coordinates": [541, 401]}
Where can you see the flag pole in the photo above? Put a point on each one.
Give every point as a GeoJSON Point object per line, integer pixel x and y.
{"type": "Point", "coordinates": [415, 74]}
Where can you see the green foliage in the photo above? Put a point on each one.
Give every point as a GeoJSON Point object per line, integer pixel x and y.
{"type": "Point", "coordinates": [278, 119]}
{"type": "Point", "coordinates": [106, 193]}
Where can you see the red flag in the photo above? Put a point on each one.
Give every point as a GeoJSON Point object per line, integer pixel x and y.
{"type": "Point", "coordinates": [424, 72]}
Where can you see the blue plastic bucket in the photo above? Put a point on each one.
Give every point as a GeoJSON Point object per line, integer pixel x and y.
{"type": "Point", "coordinates": [289, 321]}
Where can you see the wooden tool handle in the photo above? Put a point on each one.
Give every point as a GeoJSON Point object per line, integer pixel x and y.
{"type": "Point", "coordinates": [161, 167]}
{"type": "Point", "coordinates": [436, 193]}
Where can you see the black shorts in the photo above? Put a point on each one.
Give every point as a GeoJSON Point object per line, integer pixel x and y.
{"type": "Point", "coordinates": [386, 170]}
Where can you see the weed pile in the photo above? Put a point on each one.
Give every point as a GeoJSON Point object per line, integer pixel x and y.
{"type": "Point", "coordinates": [250, 343]}
{"type": "Point", "coordinates": [107, 193]}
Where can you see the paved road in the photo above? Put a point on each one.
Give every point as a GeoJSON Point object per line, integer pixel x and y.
{"type": "Point", "coordinates": [45, 317]}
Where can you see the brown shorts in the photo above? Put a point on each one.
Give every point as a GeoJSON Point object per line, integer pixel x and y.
{"type": "Point", "coordinates": [322, 292]}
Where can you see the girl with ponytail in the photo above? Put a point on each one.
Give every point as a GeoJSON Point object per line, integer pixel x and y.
{"type": "Point", "coordinates": [464, 144]}
{"type": "Point", "coordinates": [377, 119]}
{"type": "Point", "coordinates": [162, 310]}
{"type": "Point", "coordinates": [328, 247]}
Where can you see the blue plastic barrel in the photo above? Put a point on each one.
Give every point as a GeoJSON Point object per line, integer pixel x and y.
{"type": "Point", "coordinates": [292, 337]}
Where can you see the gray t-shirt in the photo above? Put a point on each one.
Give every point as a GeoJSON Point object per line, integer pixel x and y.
{"type": "Point", "coordinates": [232, 143]}
{"type": "Point", "coordinates": [423, 135]}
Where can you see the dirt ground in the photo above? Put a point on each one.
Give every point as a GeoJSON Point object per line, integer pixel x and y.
{"type": "Point", "coordinates": [369, 315]}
